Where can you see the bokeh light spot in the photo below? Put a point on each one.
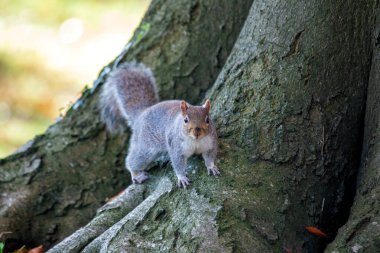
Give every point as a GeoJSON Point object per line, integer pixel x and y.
{"type": "Point", "coordinates": [71, 30]}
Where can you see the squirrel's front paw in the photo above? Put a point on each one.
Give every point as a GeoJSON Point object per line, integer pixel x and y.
{"type": "Point", "coordinates": [183, 181]}
{"type": "Point", "coordinates": [140, 178]}
{"type": "Point", "coordinates": [214, 171]}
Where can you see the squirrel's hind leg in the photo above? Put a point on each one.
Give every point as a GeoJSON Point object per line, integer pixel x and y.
{"type": "Point", "coordinates": [136, 163]}
{"type": "Point", "coordinates": [139, 177]}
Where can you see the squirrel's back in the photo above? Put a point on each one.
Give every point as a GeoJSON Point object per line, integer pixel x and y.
{"type": "Point", "coordinates": [129, 90]}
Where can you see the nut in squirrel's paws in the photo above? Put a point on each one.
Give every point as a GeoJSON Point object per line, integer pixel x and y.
{"type": "Point", "coordinates": [183, 181]}
{"type": "Point", "coordinates": [213, 171]}
{"type": "Point", "coordinates": [140, 178]}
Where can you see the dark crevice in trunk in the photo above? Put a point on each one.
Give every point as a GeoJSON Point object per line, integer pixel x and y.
{"type": "Point", "coordinates": [352, 181]}
{"type": "Point", "coordinates": [332, 226]}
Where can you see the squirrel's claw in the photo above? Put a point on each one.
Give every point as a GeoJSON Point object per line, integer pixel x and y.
{"type": "Point", "coordinates": [213, 171]}
{"type": "Point", "coordinates": [183, 182]}
{"type": "Point", "coordinates": [140, 178]}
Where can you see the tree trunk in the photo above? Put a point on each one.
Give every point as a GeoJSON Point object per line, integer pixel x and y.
{"type": "Point", "coordinates": [362, 231]}
{"type": "Point", "coordinates": [292, 94]}
{"type": "Point", "coordinates": [54, 184]}
{"type": "Point", "coordinates": [288, 104]}
{"type": "Point", "coordinates": [186, 43]}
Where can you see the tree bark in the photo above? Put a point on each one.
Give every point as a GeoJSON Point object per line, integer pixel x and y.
{"type": "Point", "coordinates": [292, 94]}
{"type": "Point", "coordinates": [288, 105]}
{"type": "Point", "coordinates": [362, 231]}
{"type": "Point", "coordinates": [186, 43]}
{"type": "Point", "coordinates": [54, 184]}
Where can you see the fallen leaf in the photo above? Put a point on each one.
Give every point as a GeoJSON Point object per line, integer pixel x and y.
{"type": "Point", "coordinates": [114, 197]}
{"type": "Point", "coordinates": [39, 249]}
{"type": "Point", "coordinates": [316, 231]}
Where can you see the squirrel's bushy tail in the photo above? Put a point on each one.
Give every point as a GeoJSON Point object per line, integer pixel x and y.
{"type": "Point", "coordinates": [129, 89]}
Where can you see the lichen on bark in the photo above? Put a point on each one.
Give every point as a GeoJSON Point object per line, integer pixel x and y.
{"type": "Point", "coordinates": [187, 43]}
{"type": "Point", "coordinates": [60, 178]}
{"type": "Point", "coordinates": [288, 106]}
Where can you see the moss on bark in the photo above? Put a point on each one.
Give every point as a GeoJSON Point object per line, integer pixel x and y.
{"type": "Point", "coordinates": [288, 105]}
{"type": "Point", "coordinates": [186, 43]}
{"type": "Point", "coordinates": [289, 116]}
{"type": "Point", "coordinates": [54, 184]}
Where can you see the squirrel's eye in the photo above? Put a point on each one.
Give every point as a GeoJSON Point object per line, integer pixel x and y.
{"type": "Point", "coordinates": [207, 120]}
{"type": "Point", "coordinates": [186, 120]}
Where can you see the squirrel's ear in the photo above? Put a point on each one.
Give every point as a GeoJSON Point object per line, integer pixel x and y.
{"type": "Point", "coordinates": [207, 105]}
{"type": "Point", "coordinates": [184, 107]}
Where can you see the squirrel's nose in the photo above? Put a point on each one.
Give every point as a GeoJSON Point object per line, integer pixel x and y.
{"type": "Point", "coordinates": [197, 132]}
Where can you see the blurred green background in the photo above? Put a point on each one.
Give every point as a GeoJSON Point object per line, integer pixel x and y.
{"type": "Point", "coordinates": [49, 50]}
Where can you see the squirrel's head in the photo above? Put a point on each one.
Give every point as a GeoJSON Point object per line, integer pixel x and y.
{"type": "Point", "coordinates": [196, 119]}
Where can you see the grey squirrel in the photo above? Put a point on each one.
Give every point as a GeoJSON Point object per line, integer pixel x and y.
{"type": "Point", "coordinates": [171, 126]}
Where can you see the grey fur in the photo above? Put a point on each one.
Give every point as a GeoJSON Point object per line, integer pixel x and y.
{"type": "Point", "coordinates": [130, 93]}
{"type": "Point", "coordinates": [163, 132]}
{"type": "Point", "coordinates": [129, 90]}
